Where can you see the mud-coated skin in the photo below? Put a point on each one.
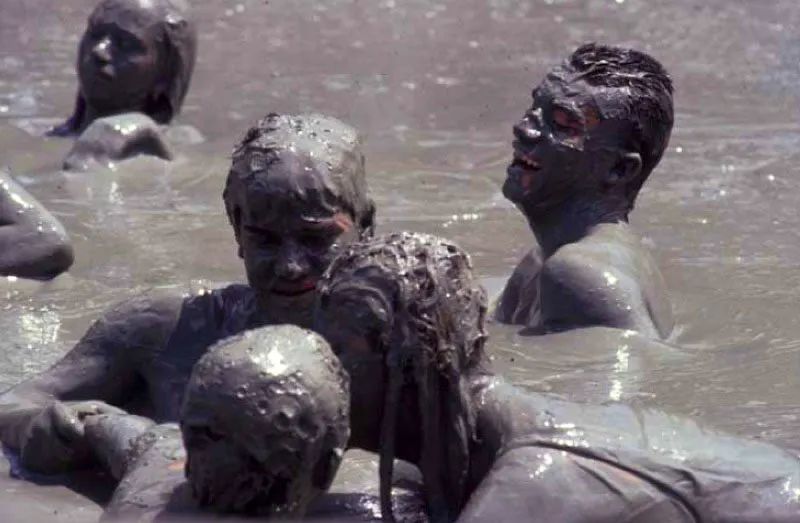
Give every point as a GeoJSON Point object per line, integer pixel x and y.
{"type": "Point", "coordinates": [139, 355]}
{"type": "Point", "coordinates": [33, 244]}
{"type": "Point", "coordinates": [112, 139]}
{"type": "Point", "coordinates": [135, 56]}
{"type": "Point", "coordinates": [589, 463]}
{"type": "Point", "coordinates": [581, 155]}
{"type": "Point", "coordinates": [526, 456]}
{"type": "Point", "coordinates": [264, 425]}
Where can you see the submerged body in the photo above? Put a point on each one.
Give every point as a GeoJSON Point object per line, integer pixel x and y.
{"type": "Point", "coordinates": [607, 279]}
{"type": "Point", "coordinates": [582, 463]}
{"type": "Point", "coordinates": [406, 316]}
{"type": "Point", "coordinates": [598, 126]}
{"type": "Point", "coordinates": [33, 244]}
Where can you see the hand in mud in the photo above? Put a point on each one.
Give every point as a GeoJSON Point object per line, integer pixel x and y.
{"type": "Point", "coordinates": [55, 442]}
{"type": "Point", "coordinates": [113, 439]}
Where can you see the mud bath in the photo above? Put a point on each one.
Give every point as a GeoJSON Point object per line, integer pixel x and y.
{"type": "Point", "coordinates": [435, 87]}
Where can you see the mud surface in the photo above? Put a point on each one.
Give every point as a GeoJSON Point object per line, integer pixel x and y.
{"type": "Point", "coordinates": [436, 86]}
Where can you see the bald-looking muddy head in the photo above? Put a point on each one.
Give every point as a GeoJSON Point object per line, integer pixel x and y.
{"type": "Point", "coordinates": [135, 56]}
{"type": "Point", "coordinates": [406, 316]}
{"type": "Point", "coordinates": [265, 422]}
{"type": "Point", "coordinates": [295, 192]}
{"type": "Point", "coordinates": [599, 124]}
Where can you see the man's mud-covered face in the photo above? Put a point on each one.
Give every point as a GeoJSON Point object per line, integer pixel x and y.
{"type": "Point", "coordinates": [289, 229]}
{"type": "Point", "coordinates": [562, 145]}
{"type": "Point", "coordinates": [118, 56]}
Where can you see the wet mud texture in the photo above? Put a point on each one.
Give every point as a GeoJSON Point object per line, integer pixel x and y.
{"type": "Point", "coordinates": [435, 86]}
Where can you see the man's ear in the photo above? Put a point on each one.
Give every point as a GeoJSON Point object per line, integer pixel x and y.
{"type": "Point", "coordinates": [627, 168]}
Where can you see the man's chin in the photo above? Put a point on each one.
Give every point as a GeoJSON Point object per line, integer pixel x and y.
{"type": "Point", "coordinates": [512, 192]}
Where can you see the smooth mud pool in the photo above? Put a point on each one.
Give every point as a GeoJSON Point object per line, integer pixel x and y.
{"type": "Point", "coordinates": [435, 86]}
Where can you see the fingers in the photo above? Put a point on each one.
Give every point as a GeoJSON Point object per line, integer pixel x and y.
{"type": "Point", "coordinates": [91, 408]}
{"type": "Point", "coordinates": [66, 422]}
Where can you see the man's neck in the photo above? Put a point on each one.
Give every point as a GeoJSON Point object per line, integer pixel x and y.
{"type": "Point", "coordinates": [573, 220]}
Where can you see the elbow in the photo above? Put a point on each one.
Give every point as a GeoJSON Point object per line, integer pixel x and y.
{"type": "Point", "coordinates": [59, 259]}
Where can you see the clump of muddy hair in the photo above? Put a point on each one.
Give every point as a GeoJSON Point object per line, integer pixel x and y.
{"type": "Point", "coordinates": [647, 105]}
{"type": "Point", "coordinates": [437, 336]}
{"type": "Point", "coordinates": [336, 145]}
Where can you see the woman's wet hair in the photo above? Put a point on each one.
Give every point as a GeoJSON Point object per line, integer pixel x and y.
{"type": "Point", "coordinates": [436, 336]}
{"type": "Point", "coordinates": [647, 104]}
{"type": "Point", "coordinates": [178, 43]}
{"type": "Point", "coordinates": [335, 147]}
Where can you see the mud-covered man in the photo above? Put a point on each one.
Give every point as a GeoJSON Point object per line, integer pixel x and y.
{"type": "Point", "coordinates": [264, 425]}
{"type": "Point", "coordinates": [296, 190]}
{"type": "Point", "coordinates": [134, 56]}
{"type": "Point", "coordinates": [33, 244]}
{"type": "Point", "coordinates": [598, 126]}
{"type": "Point", "coordinates": [406, 317]}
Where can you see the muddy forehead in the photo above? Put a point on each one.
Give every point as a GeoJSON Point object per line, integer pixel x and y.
{"type": "Point", "coordinates": [130, 15]}
{"type": "Point", "coordinates": [288, 185]}
{"type": "Point", "coordinates": [597, 102]}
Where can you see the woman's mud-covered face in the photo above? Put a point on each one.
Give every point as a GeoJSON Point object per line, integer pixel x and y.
{"type": "Point", "coordinates": [118, 57]}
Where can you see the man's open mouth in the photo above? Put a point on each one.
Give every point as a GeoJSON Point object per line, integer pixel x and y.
{"type": "Point", "coordinates": [524, 160]}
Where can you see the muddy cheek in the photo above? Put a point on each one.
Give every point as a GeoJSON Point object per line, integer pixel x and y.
{"type": "Point", "coordinates": [525, 181]}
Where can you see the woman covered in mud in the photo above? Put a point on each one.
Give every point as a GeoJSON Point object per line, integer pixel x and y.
{"type": "Point", "coordinates": [295, 192]}
{"type": "Point", "coordinates": [135, 56]}
{"type": "Point", "coordinates": [406, 316]}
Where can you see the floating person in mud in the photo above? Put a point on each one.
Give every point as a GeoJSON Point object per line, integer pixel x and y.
{"type": "Point", "coordinates": [33, 244]}
{"type": "Point", "coordinates": [598, 126]}
{"type": "Point", "coordinates": [135, 56]}
{"type": "Point", "coordinates": [296, 191]}
{"type": "Point", "coordinates": [265, 423]}
{"type": "Point", "coordinates": [405, 315]}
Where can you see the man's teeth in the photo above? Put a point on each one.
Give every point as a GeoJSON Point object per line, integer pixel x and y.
{"type": "Point", "coordinates": [527, 161]}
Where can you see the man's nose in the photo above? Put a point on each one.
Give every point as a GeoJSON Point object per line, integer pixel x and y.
{"type": "Point", "coordinates": [102, 50]}
{"type": "Point", "coordinates": [526, 131]}
{"type": "Point", "coordinates": [293, 264]}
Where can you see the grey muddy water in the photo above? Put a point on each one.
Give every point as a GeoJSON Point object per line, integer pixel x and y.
{"type": "Point", "coordinates": [436, 86]}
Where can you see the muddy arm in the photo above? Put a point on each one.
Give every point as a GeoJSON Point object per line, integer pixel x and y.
{"type": "Point", "coordinates": [541, 485]}
{"type": "Point", "coordinates": [33, 244]}
{"type": "Point", "coordinates": [42, 417]}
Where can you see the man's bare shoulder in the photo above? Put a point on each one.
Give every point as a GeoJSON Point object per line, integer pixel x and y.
{"type": "Point", "coordinates": [582, 285]}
